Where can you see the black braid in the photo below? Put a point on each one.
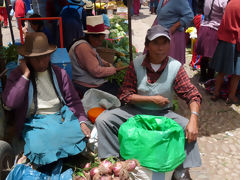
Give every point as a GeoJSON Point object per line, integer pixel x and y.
{"type": "Point", "coordinates": [33, 80]}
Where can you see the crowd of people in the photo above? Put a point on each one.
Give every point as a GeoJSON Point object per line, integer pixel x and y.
{"type": "Point", "coordinates": [47, 103]}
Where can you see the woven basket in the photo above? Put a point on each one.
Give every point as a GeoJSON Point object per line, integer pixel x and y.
{"type": "Point", "coordinates": [107, 54]}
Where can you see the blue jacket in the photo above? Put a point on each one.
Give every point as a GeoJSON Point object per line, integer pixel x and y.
{"type": "Point", "coordinates": [174, 11]}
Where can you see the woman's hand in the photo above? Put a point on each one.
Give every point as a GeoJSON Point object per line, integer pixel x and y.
{"type": "Point", "coordinates": [174, 27]}
{"type": "Point", "coordinates": [86, 131]}
{"type": "Point", "coordinates": [23, 66]}
{"type": "Point", "coordinates": [160, 100]}
{"type": "Point", "coordinates": [191, 130]}
{"type": "Point", "coordinates": [121, 68]}
{"type": "Point", "coordinates": [107, 64]}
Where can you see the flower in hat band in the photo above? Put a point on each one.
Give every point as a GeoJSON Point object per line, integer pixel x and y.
{"type": "Point", "coordinates": [98, 28]}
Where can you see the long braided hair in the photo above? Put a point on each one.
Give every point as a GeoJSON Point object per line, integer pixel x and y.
{"type": "Point", "coordinates": [33, 79]}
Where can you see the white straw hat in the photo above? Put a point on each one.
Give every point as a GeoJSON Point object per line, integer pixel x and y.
{"type": "Point", "coordinates": [95, 25]}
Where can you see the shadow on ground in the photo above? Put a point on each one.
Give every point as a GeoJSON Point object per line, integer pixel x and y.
{"type": "Point", "coordinates": [215, 117]}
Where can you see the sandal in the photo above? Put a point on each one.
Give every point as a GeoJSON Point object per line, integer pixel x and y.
{"type": "Point", "coordinates": [215, 97]}
{"type": "Point", "coordinates": [230, 102]}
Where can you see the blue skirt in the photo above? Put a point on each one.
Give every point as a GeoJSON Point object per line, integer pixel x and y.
{"type": "Point", "coordinates": [49, 137]}
{"type": "Point", "coordinates": [226, 59]}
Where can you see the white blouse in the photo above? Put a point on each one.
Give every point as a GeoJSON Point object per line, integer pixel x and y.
{"type": "Point", "coordinates": [48, 102]}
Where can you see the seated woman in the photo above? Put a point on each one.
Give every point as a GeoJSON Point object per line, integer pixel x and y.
{"type": "Point", "coordinates": [88, 69]}
{"type": "Point", "coordinates": [38, 26]}
{"type": "Point", "coordinates": [48, 111]}
{"type": "Point", "coordinates": [148, 89]}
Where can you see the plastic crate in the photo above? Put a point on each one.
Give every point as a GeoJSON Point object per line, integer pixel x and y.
{"type": "Point", "coordinates": [61, 58]}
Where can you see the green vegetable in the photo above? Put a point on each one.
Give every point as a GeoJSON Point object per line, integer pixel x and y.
{"type": "Point", "coordinates": [118, 77]}
{"type": "Point", "coordinates": [9, 53]}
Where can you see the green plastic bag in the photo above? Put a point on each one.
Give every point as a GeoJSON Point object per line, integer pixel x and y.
{"type": "Point", "coordinates": [156, 142]}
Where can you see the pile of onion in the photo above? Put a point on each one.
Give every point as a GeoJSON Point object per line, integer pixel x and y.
{"type": "Point", "coordinates": [109, 171]}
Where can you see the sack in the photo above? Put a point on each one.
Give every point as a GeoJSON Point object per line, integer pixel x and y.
{"type": "Point", "coordinates": [22, 171]}
{"type": "Point", "coordinates": [96, 98]}
{"type": "Point", "coordinates": [156, 142]}
{"type": "Point", "coordinates": [142, 173]}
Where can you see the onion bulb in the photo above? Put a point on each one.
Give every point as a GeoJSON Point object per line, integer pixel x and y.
{"type": "Point", "coordinates": [94, 171]}
{"type": "Point", "coordinates": [116, 168]}
{"type": "Point", "coordinates": [88, 165]}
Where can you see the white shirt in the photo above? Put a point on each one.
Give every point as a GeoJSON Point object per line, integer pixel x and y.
{"type": "Point", "coordinates": [155, 66]}
{"type": "Point", "coordinates": [48, 102]}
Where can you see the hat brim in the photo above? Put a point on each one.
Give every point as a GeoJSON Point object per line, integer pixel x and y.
{"type": "Point", "coordinates": [159, 35]}
{"type": "Point", "coordinates": [22, 51]}
{"type": "Point", "coordinates": [85, 7]}
{"type": "Point", "coordinates": [103, 32]}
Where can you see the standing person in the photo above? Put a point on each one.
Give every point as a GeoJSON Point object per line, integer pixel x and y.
{"type": "Point", "coordinates": [53, 9]}
{"type": "Point", "coordinates": [136, 7]}
{"type": "Point", "coordinates": [38, 26]}
{"type": "Point", "coordinates": [13, 7]}
{"type": "Point", "coordinates": [74, 22]}
{"type": "Point", "coordinates": [89, 70]}
{"type": "Point", "coordinates": [175, 15]}
{"type": "Point", "coordinates": [47, 109]}
{"type": "Point", "coordinates": [207, 36]}
{"type": "Point", "coordinates": [88, 8]}
{"type": "Point", "coordinates": [153, 6]}
{"type": "Point", "coordinates": [3, 14]}
{"type": "Point", "coordinates": [226, 59]}
{"type": "Point", "coordinates": [20, 7]}
{"type": "Point", "coordinates": [148, 89]}
{"type": "Point", "coordinates": [39, 7]}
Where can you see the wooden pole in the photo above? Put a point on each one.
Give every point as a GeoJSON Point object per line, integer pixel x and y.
{"type": "Point", "coordinates": [1, 36]}
{"type": "Point", "coordinates": [129, 3]}
{"type": "Point", "coordinates": [9, 21]}
{"type": "Point", "coordinates": [3, 77]}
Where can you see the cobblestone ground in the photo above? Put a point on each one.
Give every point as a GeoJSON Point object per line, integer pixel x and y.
{"type": "Point", "coordinates": [219, 125]}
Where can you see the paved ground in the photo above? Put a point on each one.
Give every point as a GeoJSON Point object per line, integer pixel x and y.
{"type": "Point", "coordinates": [219, 125]}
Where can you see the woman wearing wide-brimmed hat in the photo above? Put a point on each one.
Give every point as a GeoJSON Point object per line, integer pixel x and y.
{"type": "Point", "coordinates": [88, 69]}
{"type": "Point", "coordinates": [47, 109]}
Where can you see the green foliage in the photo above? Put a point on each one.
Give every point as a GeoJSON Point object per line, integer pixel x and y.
{"type": "Point", "coordinates": [9, 53]}
{"type": "Point", "coordinates": [120, 43]}
{"type": "Point", "coordinates": [175, 105]}
{"type": "Point", "coordinates": [118, 77]}
{"type": "Point", "coordinates": [121, 22]}
{"type": "Point", "coordinates": [118, 28]}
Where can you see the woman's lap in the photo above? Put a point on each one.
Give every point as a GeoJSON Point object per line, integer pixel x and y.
{"type": "Point", "coordinates": [109, 122]}
{"type": "Point", "coordinates": [49, 139]}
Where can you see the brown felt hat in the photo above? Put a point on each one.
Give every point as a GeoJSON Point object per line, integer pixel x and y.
{"type": "Point", "coordinates": [36, 44]}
